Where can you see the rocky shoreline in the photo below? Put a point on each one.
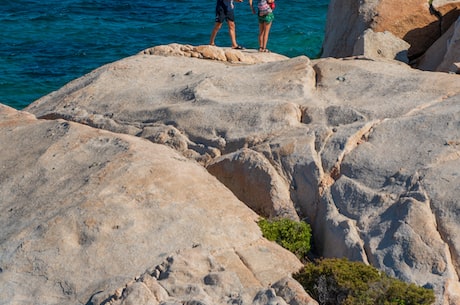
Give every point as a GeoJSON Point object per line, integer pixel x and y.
{"type": "Point", "coordinates": [142, 181]}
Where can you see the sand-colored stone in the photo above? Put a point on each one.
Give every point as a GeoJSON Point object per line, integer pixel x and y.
{"type": "Point", "coordinates": [413, 21]}
{"type": "Point", "coordinates": [368, 151]}
{"type": "Point", "coordinates": [381, 45]}
{"type": "Point", "coordinates": [86, 211]}
{"type": "Point", "coordinates": [251, 177]}
{"type": "Point", "coordinates": [214, 53]}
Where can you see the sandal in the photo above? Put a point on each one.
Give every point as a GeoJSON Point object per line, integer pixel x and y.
{"type": "Point", "coordinates": [238, 47]}
{"type": "Point", "coordinates": [261, 49]}
{"type": "Point", "coordinates": [267, 51]}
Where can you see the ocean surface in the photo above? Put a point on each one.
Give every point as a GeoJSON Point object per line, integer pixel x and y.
{"type": "Point", "coordinates": [44, 44]}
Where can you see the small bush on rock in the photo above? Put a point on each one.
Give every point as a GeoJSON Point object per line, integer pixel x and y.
{"type": "Point", "coordinates": [341, 282]}
{"type": "Point", "coordinates": [291, 235]}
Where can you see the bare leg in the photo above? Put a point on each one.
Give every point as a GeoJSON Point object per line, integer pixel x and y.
{"type": "Point", "coordinates": [232, 32]}
{"type": "Point", "coordinates": [266, 32]}
{"type": "Point", "coordinates": [261, 36]}
{"type": "Point", "coordinates": [216, 29]}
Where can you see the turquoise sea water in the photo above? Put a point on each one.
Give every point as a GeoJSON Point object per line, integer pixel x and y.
{"type": "Point", "coordinates": [47, 43]}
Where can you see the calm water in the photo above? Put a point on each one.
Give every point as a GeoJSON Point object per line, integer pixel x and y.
{"type": "Point", "coordinates": [47, 43]}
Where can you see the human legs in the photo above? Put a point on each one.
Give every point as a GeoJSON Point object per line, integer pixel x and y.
{"type": "Point", "coordinates": [261, 36]}
{"type": "Point", "coordinates": [264, 31]}
{"type": "Point", "coordinates": [224, 13]}
{"type": "Point", "coordinates": [232, 32]}
{"type": "Point", "coordinates": [265, 23]}
{"type": "Point", "coordinates": [216, 29]}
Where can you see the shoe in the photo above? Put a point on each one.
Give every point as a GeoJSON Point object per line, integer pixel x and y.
{"type": "Point", "coordinates": [267, 51]}
{"type": "Point", "coordinates": [261, 49]}
{"type": "Point", "coordinates": [238, 47]}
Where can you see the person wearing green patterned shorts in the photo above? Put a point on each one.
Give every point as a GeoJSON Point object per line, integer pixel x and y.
{"type": "Point", "coordinates": [266, 17]}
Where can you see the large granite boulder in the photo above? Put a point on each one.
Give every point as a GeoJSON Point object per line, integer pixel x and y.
{"type": "Point", "coordinates": [444, 54]}
{"type": "Point", "coordinates": [367, 150]}
{"type": "Point", "coordinates": [381, 45]}
{"type": "Point", "coordinates": [164, 96]}
{"type": "Point", "coordinates": [254, 180]}
{"type": "Point", "coordinates": [415, 21]}
{"type": "Point", "coordinates": [85, 212]}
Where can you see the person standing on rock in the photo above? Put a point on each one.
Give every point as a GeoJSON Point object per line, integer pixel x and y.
{"type": "Point", "coordinates": [225, 11]}
{"type": "Point", "coordinates": [265, 15]}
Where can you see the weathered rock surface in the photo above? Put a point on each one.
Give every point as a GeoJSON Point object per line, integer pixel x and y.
{"type": "Point", "coordinates": [368, 151]}
{"type": "Point", "coordinates": [414, 21]}
{"type": "Point", "coordinates": [381, 45]}
{"type": "Point", "coordinates": [214, 53]}
{"type": "Point", "coordinates": [254, 180]}
{"type": "Point", "coordinates": [203, 97]}
{"type": "Point", "coordinates": [444, 54]}
{"type": "Point", "coordinates": [86, 211]}
{"type": "Point", "coordinates": [207, 280]}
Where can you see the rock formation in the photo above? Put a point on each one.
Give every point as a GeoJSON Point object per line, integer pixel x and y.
{"type": "Point", "coordinates": [214, 53]}
{"type": "Point", "coordinates": [142, 181]}
{"type": "Point", "coordinates": [418, 22]}
{"type": "Point", "coordinates": [90, 216]}
{"type": "Point", "coordinates": [366, 151]}
{"type": "Point", "coordinates": [444, 54]}
{"type": "Point", "coordinates": [381, 45]}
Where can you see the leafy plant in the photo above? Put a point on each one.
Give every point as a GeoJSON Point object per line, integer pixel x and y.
{"type": "Point", "coordinates": [341, 282]}
{"type": "Point", "coordinates": [292, 235]}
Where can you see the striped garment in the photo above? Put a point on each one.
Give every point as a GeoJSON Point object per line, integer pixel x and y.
{"type": "Point", "coordinates": [264, 8]}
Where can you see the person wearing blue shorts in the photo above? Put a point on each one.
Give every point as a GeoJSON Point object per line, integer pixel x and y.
{"type": "Point", "coordinates": [225, 11]}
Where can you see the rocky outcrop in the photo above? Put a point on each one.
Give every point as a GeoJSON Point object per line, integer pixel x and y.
{"type": "Point", "coordinates": [193, 96]}
{"type": "Point", "coordinates": [418, 22]}
{"type": "Point", "coordinates": [214, 53]}
{"type": "Point", "coordinates": [444, 54]}
{"type": "Point", "coordinates": [254, 180]}
{"type": "Point", "coordinates": [367, 151]}
{"type": "Point", "coordinates": [206, 281]}
{"type": "Point", "coordinates": [85, 212]}
{"type": "Point", "coordinates": [381, 45]}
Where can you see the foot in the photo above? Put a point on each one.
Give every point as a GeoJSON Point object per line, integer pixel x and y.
{"type": "Point", "coordinates": [238, 47]}
{"type": "Point", "coordinates": [261, 49]}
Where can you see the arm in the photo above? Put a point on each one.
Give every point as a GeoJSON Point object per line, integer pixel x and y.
{"type": "Point", "coordinates": [252, 7]}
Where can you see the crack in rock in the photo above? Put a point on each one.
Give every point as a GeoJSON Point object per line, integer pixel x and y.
{"type": "Point", "coordinates": [356, 139]}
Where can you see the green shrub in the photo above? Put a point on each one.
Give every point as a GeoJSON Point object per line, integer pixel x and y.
{"type": "Point", "coordinates": [292, 235]}
{"type": "Point", "coordinates": [341, 282]}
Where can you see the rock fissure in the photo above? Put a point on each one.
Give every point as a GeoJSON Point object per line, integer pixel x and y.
{"type": "Point", "coordinates": [435, 12]}
{"type": "Point", "coordinates": [446, 239]}
{"type": "Point", "coordinates": [246, 265]}
{"type": "Point", "coordinates": [424, 106]}
{"type": "Point", "coordinates": [353, 141]}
